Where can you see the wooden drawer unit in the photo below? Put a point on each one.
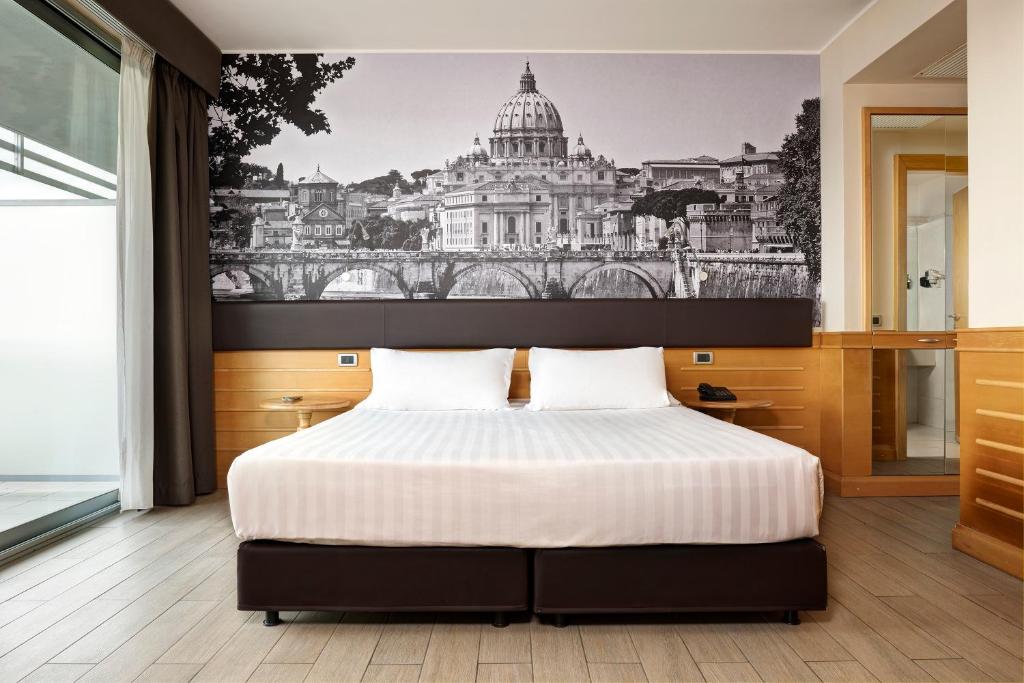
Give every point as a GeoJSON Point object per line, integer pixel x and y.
{"type": "Point", "coordinates": [991, 384]}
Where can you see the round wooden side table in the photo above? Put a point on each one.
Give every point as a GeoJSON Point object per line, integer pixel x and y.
{"type": "Point", "coordinates": [305, 407]}
{"type": "Point", "coordinates": [726, 410]}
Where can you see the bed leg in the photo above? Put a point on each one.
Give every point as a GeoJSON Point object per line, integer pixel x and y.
{"type": "Point", "coordinates": [561, 621]}
{"type": "Point", "coordinates": [272, 618]}
{"type": "Point", "coordinates": [500, 620]}
{"type": "Point", "coordinates": [791, 617]}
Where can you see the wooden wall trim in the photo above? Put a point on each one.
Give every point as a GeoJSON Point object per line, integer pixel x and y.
{"type": "Point", "coordinates": [1003, 556]}
{"type": "Point", "coordinates": [846, 340]}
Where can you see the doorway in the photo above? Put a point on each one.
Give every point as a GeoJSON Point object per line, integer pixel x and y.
{"type": "Point", "coordinates": [918, 230]}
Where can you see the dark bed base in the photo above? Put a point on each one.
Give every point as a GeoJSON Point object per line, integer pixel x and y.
{"type": "Point", "coordinates": [275, 576]}
{"type": "Point", "coordinates": [770, 577]}
{"type": "Point", "coordinates": [784, 577]}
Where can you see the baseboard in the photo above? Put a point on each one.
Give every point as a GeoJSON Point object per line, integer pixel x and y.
{"type": "Point", "coordinates": [999, 554]}
{"type": "Point", "coordinates": [833, 481]}
{"type": "Point", "coordinates": [896, 485]}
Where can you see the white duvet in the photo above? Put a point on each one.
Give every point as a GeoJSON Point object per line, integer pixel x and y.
{"type": "Point", "coordinates": [526, 479]}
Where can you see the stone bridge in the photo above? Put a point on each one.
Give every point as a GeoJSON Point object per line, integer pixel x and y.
{"type": "Point", "coordinates": [284, 274]}
{"type": "Point", "coordinates": [281, 274]}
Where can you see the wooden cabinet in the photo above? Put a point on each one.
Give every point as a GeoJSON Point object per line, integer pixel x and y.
{"type": "Point", "coordinates": [991, 526]}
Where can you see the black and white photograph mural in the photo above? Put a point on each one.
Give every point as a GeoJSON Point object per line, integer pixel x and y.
{"type": "Point", "coordinates": [548, 176]}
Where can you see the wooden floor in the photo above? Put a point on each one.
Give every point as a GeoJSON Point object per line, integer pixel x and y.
{"type": "Point", "coordinates": [150, 597]}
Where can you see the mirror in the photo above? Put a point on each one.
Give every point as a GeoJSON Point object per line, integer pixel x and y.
{"type": "Point", "coordinates": [918, 181]}
{"type": "Point", "coordinates": [918, 228]}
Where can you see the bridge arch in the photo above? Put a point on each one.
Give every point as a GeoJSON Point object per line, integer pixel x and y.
{"type": "Point", "coordinates": [645, 277]}
{"type": "Point", "coordinates": [262, 282]}
{"type": "Point", "coordinates": [315, 288]}
{"type": "Point", "coordinates": [528, 285]}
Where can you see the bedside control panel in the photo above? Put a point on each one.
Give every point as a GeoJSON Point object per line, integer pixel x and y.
{"type": "Point", "coordinates": [703, 357]}
{"type": "Point", "coordinates": [348, 360]}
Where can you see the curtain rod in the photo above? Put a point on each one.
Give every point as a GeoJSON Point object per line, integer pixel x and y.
{"type": "Point", "coordinates": [98, 22]}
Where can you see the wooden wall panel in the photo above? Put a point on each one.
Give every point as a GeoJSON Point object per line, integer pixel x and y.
{"type": "Point", "coordinates": [992, 447]}
{"type": "Point", "coordinates": [788, 376]}
{"type": "Point", "coordinates": [885, 382]}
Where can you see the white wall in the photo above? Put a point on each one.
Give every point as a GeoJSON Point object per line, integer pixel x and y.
{"type": "Point", "coordinates": [883, 25]}
{"type": "Point", "coordinates": [995, 85]}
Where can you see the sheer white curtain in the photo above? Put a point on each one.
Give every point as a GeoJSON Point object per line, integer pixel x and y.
{"type": "Point", "coordinates": [135, 278]}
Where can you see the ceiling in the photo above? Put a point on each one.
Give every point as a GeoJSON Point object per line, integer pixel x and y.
{"type": "Point", "coordinates": [789, 26]}
{"type": "Point", "coordinates": [934, 40]}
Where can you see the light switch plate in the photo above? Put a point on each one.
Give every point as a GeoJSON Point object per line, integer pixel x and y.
{"type": "Point", "coordinates": [348, 360]}
{"type": "Point", "coordinates": [703, 357]}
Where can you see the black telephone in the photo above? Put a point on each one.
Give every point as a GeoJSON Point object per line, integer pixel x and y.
{"type": "Point", "coordinates": [710, 393]}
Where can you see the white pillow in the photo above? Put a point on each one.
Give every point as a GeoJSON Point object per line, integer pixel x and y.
{"type": "Point", "coordinates": [585, 380]}
{"type": "Point", "coordinates": [422, 380]}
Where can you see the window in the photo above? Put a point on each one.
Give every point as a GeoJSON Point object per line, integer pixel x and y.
{"type": "Point", "coordinates": [308, 230]}
{"type": "Point", "coordinates": [511, 225]}
{"type": "Point", "coordinates": [58, 112]}
{"type": "Point", "coordinates": [483, 198]}
{"type": "Point", "coordinates": [579, 177]}
{"type": "Point", "coordinates": [329, 230]}
{"type": "Point", "coordinates": [317, 230]}
{"type": "Point", "coordinates": [318, 196]}
{"type": "Point", "coordinates": [563, 176]}
{"type": "Point", "coordinates": [563, 225]}
{"type": "Point", "coordinates": [460, 176]}
{"type": "Point", "coordinates": [540, 145]}
{"type": "Point", "coordinates": [529, 148]}
{"type": "Point", "coordinates": [537, 228]}
{"type": "Point", "coordinates": [600, 175]}
{"type": "Point", "coordinates": [536, 198]}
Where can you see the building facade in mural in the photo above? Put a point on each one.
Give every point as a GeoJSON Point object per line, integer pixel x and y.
{"type": "Point", "coordinates": [530, 212]}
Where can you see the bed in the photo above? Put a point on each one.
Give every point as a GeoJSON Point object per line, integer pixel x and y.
{"type": "Point", "coordinates": [562, 512]}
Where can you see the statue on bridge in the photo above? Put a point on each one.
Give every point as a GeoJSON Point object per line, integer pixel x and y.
{"type": "Point", "coordinates": [297, 227]}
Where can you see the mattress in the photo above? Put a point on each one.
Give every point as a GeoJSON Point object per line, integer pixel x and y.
{"type": "Point", "coordinates": [525, 479]}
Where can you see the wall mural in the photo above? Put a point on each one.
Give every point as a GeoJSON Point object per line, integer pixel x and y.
{"type": "Point", "coordinates": [430, 176]}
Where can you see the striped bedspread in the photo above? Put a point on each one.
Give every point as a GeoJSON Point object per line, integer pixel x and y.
{"type": "Point", "coordinates": [526, 479]}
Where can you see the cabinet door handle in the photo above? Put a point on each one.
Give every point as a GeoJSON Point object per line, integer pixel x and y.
{"type": "Point", "coordinates": [929, 340]}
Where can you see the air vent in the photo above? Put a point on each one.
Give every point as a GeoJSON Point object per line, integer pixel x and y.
{"type": "Point", "coordinates": [902, 121]}
{"type": "Point", "coordinates": [953, 65]}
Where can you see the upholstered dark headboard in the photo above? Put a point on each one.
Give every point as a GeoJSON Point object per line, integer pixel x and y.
{"type": "Point", "coordinates": [512, 323]}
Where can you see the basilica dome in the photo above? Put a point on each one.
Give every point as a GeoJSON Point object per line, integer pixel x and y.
{"type": "Point", "coordinates": [528, 124]}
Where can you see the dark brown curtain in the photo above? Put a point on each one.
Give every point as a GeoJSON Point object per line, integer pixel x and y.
{"type": "Point", "coordinates": [184, 461]}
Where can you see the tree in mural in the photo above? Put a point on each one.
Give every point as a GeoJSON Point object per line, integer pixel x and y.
{"type": "Point", "coordinates": [419, 177]}
{"type": "Point", "coordinates": [231, 227]}
{"type": "Point", "coordinates": [799, 211]}
{"type": "Point", "coordinates": [382, 184]}
{"type": "Point", "coordinates": [385, 232]}
{"type": "Point", "coordinates": [258, 94]}
{"type": "Point", "coordinates": [671, 204]}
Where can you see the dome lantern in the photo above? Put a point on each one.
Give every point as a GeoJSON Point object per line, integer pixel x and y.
{"type": "Point", "coordinates": [527, 82]}
{"type": "Point", "coordinates": [528, 125]}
